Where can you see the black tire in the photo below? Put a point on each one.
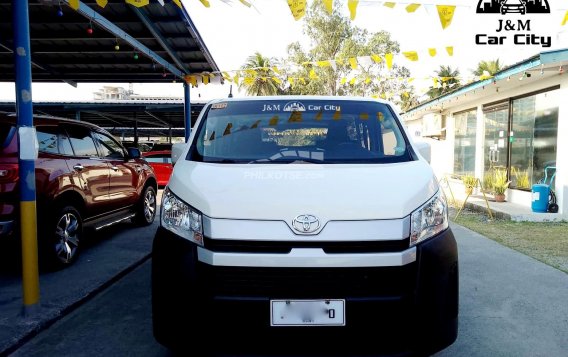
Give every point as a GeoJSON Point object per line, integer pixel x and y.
{"type": "Point", "coordinates": [61, 244]}
{"type": "Point", "coordinates": [146, 210]}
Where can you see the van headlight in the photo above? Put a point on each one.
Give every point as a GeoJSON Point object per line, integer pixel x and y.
{"type": "Point", "coordinates": [181, 219]}
{"type": "Point", "coordinates": [429, 220]}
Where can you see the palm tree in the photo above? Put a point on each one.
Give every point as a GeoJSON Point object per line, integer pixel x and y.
{"type": "Point", "coordinates": [259, 76]}
{"type": "Point", "coordinates": [447, 79]}
{"type": "Point", "coordinates": [488, 68]}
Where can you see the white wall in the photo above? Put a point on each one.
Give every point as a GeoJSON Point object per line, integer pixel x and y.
{"type": "Point", "coordinates": [443, 151]}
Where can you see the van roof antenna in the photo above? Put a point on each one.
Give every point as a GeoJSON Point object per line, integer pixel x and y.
{"type": "Point", "coordinates": [231, 91]}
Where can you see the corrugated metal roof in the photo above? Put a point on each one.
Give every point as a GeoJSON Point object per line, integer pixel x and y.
{"type": "Point", "coordinates": [63, 50]}
{"type": "Point", "coordinates": [119, 113]}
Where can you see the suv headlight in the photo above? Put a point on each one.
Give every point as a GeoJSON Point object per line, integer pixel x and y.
{"type": "Point", "coordinates": [181, 219]}
{"type": "Point", "coordinates": [429, 220]}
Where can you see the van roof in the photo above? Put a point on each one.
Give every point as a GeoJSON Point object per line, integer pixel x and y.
{"type": "Point", "coordinates": [300, 98]}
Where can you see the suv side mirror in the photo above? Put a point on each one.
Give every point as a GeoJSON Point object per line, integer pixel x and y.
{"type": "Point", "coordinates": [177, 150]}
{"type": "Point", "coordinates": [134, 153]}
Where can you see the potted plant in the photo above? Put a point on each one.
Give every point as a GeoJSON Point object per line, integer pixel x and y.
{"type": "Point", "coordinates": [469, 181]}
{"type": "Point", "coordinates": [500, 185]}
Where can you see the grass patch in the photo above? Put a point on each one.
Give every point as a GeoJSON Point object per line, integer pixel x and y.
{"type": "Point", "coordinates": [547, 242]}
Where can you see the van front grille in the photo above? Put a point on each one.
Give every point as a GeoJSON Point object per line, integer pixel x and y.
{"type": "Point", "coordinates": [380, 282]}
{"type": "Point", "coordinates": [283, 247]}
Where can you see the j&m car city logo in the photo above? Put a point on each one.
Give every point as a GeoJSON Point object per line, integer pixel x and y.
{"type": "Point", "coordinates": [517, 28]}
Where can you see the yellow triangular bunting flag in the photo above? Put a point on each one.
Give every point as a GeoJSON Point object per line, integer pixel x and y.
{"type": "Point", "coordinates": [432, 52]}
{"type": "Point", "coordinates": [411, 55]}
{"type": "Point", "coordinates": [412, 7]}
{"type": "Point", "coordinates": [450, 50]}
{"type": "Point", "coordinates": [388, 58]}
{"type": "Point", "coordinates": [137, 3]}
{"type": "Point", "coordinates": [102, 3]}
{"type": "Point", "coordinates": [205, 3]}
{"type": "Point", "coordinates": [277, 80]}
{"type": "Point", "coordinates": [205, 79]}
{"type": "Point", "coordinates": [313, 74]}
{"type": "Point", "coordinates": [390, 4]}
{"type": "Point", "coordinates": [352, 81]}
{"type": "Point", "coordinates": [565, 19]}
{"type": "Point", "coordinates": [328, 6]}
{"type": "Point", "coordinates": [343, 80]}
{"type": "Point", "coordinates": [446, 13]}
{"type": "Point", "coordinates": [74, 4]}
{"type": "Point", "coordinates": [376, 58]}
{"type": "Point", "coordinates": [323, 63]}
{"type": "Point", "coordinates": [298, 8]}
{"type": "Point", "coordinates": [352, 5]}
{"type": "Point", "coordinates": [178, 3]}
{"type": "Point", "coordinates": [245, 3]}
{"type": "Point", "coordinates": [276, 70]}
{"type": "Point", "coordinates": [353, 62]}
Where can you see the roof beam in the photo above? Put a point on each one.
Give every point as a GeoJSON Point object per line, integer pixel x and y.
{"type": "Point", "coordinates": [101, 21]}
{"type": "Point", "coordinates": [152, 28]}
{"type": "Point", "coordinates": [120, 117]}
{"type": "Point", "coordinates": [157, 118]}
{"type": "Point", "coordinates": [43, 67]}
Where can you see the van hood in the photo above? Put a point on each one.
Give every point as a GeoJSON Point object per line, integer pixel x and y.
{"type": "Point", "coordinates": [284, 191]}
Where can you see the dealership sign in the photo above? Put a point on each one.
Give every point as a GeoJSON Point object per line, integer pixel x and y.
{"type": "Point", "coordinates": [517, 23]}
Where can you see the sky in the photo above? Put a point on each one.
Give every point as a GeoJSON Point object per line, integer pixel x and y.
{"type": "Point", "coordinates": [232, 32]}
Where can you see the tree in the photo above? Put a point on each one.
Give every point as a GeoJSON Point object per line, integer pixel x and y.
{"type": "Point", "coordinates": [488, 68]}
{"type": "Point", "coordinates": [336, 40]}
{"type": "Point", "coordinates": [259, 78]}
{"type": "Point", "coordinates": [447, 79]}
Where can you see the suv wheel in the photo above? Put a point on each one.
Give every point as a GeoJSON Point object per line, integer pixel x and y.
{"type": "Point", "coordinates": [63, 247]}
{"type": "Point", "coordinates": [147, 207]}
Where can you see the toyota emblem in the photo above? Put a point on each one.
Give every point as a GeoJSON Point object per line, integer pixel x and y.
{"type": "Point", "coordinates": [306, 223]}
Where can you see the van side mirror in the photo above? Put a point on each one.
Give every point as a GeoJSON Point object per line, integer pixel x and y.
{"type": "Point", "coordinates": [424, 150]}
{"type": "Point", "coordinates": [177, 150]}
{"type": "Point", "coordinates": [134, 153]}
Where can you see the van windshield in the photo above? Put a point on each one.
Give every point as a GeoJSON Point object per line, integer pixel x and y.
{"type": "Point", "coordinates": [284, 131]}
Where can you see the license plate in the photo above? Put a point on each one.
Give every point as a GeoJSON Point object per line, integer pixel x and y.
{"type": "Point", "coordinates": [307, 312]}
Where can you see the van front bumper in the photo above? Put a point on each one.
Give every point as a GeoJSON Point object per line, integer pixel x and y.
{"type": "Point", "coordinates": [411, 305]}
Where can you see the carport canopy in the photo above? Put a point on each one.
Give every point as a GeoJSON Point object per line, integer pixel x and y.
{"type": "Point", "coordinates": [118, 43]}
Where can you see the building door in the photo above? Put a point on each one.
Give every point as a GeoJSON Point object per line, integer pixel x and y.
{"type": "Point", "coordinates": [496, 148]}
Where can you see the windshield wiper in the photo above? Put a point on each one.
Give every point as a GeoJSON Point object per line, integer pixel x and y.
{"type": "Point", "coordinates": [223, 161]}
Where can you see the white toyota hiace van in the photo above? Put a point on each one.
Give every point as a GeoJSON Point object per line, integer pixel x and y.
{"type": "Point", "coordinates": [307, 215]}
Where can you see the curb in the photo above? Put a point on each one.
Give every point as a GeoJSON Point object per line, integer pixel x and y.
{"type": "Point", "coordinates": [44, 324]}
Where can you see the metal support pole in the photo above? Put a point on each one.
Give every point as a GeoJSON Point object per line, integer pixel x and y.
{"type": "Point", "coordinates": [186, 111]}
{"type": "Point", "coordinates": [135, 130]}
{"type": "Point", "coordinates": [78, 115]}
{"type": "Point", "coordinates": [170, 135]}
{"type": "Point", "coordinates": [28, 153]}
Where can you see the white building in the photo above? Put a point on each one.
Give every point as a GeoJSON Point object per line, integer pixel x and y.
{"type": "Point", "coordinates": [516, 121]}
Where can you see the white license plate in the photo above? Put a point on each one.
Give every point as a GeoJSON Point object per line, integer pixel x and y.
{"type": "Point", "coordinates": [307, 312]}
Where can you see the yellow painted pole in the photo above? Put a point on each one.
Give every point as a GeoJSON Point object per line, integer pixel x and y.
{"type": "Point", "coordinates": [30, 271]}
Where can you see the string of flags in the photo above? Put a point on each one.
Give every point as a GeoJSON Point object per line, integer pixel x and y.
{"type": "Point", "coordinates": [298, 7]}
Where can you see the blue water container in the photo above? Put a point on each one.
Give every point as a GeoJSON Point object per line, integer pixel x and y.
{"type": "Point", "coordinates": [540, 194]}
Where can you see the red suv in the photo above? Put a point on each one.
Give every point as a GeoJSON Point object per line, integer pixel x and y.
{"type": "Point", "coordinates": [84, 178]}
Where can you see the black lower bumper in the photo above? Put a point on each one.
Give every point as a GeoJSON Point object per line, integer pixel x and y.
{"type": "Point", "coordinates": [393, 309]}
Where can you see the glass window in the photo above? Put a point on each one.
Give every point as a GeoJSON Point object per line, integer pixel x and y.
{"type": "Point", "coordinates": [534, 139]}
{"type": "Point", "coordinates": [6, 131]}
{"type": "Point", "coordinates": [110, 149]}
{"type": "Point", "coordinates": [155, 159]}
{"type": "Point", "coordinates": [47, 139]}
{"type": "Point", "coordinates": [321, 131]}
{"type": "Point", "coordinates": [464, 146]}
{"type": "Point", "coordinates": [81, 141]}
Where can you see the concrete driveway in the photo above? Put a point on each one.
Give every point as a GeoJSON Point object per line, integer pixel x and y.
{"type": "Point", "coordinates": [510, 304]}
